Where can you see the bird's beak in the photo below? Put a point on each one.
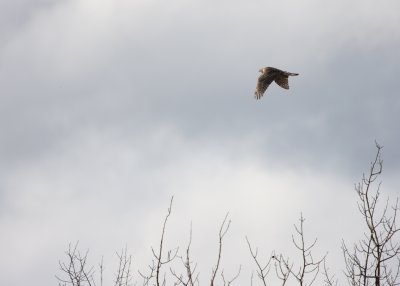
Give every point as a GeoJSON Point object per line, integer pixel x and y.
{"type": "Point", "coordinates": [260, 70]}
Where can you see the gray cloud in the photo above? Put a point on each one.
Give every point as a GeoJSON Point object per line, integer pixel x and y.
{"type": "Point", "coordinates": [110, 107]}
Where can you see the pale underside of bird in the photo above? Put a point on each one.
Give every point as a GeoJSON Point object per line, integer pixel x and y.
{"type": "Point", "coordinates": [268, 75]}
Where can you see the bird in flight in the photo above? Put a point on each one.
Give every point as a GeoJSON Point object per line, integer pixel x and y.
{"type": "Point", "coordinates": [268, 75]}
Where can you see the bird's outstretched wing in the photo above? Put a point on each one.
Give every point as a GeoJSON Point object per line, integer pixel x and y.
{"type": "Point", "coordinates": [263, 82]}
{"type": "Point", "coordinates": [282, 81]}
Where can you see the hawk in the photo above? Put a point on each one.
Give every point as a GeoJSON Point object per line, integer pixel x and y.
{"type": "Point", "coordinates": [268, 75]}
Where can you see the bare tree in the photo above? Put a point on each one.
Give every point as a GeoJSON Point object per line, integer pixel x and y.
{"type": "Point", "coordinates": [123, 277]}
{"type": "Point", "coordinates": [284, 269]}
{"type": "Point", "coordinates": [262, 268]}
{"type": "Point", "coordinates": [375, 259]}
{"type": "Point", "coordinates": [222, 232]}
{"type": "Point", "coordinates": [191, 276]}
{"type": "Point", "coordinates": [309, 267]}
{"type": "Point", "coordinates": [372, 261]}
{"type": "Point", "coordinates": [329, 280]}
{"type": "Point", "coordinates": [158, 258]}
{"type": "Point", "coordinates": [76, 271]}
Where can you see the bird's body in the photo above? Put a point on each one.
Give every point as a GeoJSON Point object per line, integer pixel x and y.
{"type": "Point", "coordinates": [268, 75]}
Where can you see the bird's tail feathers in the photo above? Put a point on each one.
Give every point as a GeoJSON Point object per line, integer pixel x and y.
{"type": "Point", "coordinates": [257, 95]}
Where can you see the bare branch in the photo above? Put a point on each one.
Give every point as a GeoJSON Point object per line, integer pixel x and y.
{"type": "Point", "coordinates": [222, 231]}
{"type": "Point", "coordinates": [262, 271]}
{"type": "Point", "coordinates": [308, 267]}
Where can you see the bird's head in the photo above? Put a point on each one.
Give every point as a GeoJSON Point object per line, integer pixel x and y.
{"type": "Point", "coordinates": [262, 70]}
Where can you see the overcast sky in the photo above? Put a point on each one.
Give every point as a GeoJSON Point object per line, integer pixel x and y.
{"type": "Point", "coordinates": [110, 107]}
